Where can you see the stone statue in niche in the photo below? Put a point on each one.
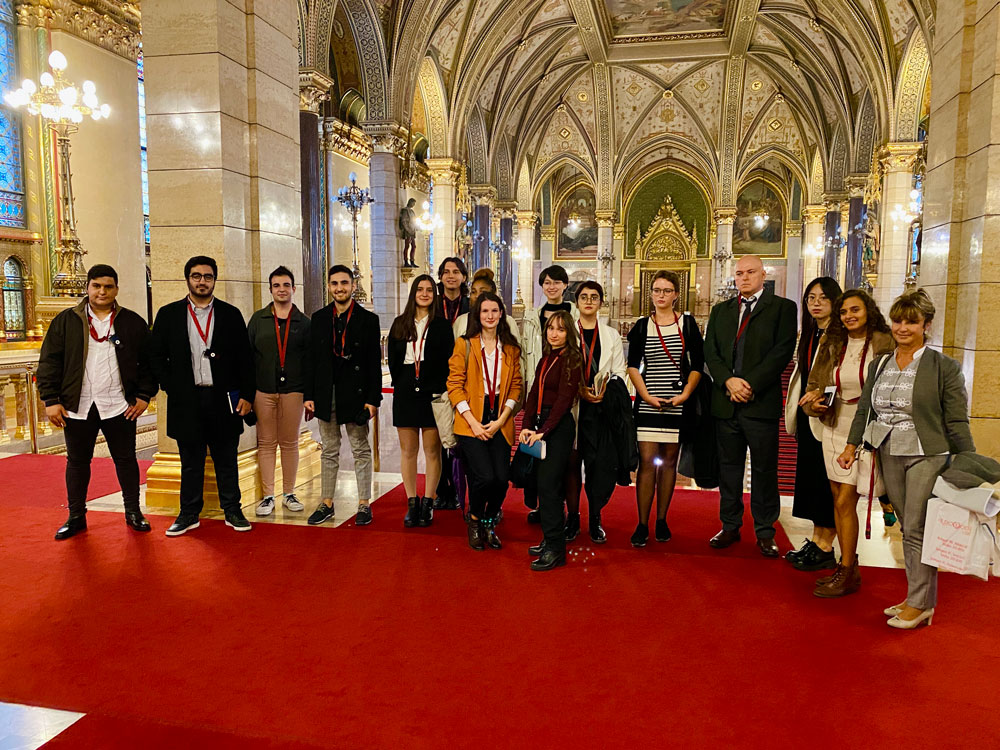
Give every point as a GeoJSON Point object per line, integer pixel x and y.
{"type": "Point", "coordinates": [869, 246]}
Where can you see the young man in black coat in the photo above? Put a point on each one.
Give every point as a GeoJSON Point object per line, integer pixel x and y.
{"type": "Point", "coordinates": [201, 356]}
{"type": "Point", "coordinates": [94, 375]}
{"type": "Point", "coordinates": [343, 386]}
{"type": "Point", "coordinates": [750, 341]}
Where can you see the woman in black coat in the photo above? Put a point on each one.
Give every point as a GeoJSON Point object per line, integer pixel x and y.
{"type": "Point", "coordinates": [420, 343]}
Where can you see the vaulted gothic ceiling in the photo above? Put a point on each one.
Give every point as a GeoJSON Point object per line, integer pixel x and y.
{"type": "Point", "coordinates": [614, 86]}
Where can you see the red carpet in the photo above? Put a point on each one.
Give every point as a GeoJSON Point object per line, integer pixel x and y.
{"type": "Point", "coordinates": [385, 637]}
{"type": "Point", "coordinates": [39, 481]}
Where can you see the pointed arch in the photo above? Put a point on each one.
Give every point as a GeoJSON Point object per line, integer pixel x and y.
{"type": "Point", "coordinates": [524, 186]}
{"type": "Point", "coordinates": [435, 101]}
{"type": "Point", "coordinates": [371, 50]}
{"type": "Point", "coordinates": [475, 139]}
{"type": "Point", "coordinates": [817, 179]}
{"type": "Point", "coordinates": [913, 75]}
{"type": "Point", "coordinates": [864, 136]}
{"type": "Point", "coordinates": [502, 177]}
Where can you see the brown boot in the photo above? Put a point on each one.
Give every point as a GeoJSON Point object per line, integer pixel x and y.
{"type": "Point", "coordinates": [847, 580]}
{"type": "Point", "coordinates": [826, 579]}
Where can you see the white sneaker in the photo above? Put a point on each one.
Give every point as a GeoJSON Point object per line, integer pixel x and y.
{"type": "Point", "coordinates": [265, 507]}
{"type": "Point", "coordinates": [292, 502]}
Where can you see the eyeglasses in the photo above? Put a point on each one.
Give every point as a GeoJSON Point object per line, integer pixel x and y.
{"type": "Point", "coordinates": [200, 276]}
{"type": "Point", "coordinates": [659, 291]}
{"type": "Point", "coordinates": [590, 298]}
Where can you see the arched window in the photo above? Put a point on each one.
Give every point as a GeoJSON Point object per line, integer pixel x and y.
{"type": "Point", "coordinates": [11, 169]}
{"type": "Point", "coordinates": [14, 320]}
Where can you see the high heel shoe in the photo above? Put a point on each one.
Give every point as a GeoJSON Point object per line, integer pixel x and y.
{"type": "Point", "coordinates": [894, 610]}
{"type": "Point", "coordinates": [926, 616]}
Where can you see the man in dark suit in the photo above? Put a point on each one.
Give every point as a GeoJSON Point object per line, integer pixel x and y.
{"type": "Point", "coordinates": [749, 342]}
{"type": "Point", "coordinates": [201, 356]}
{"type": "Point", "coordinates": [94, 376]}
{"type": "Point", "coordinates": [343, 386]}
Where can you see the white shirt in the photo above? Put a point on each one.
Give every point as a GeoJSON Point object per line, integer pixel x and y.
{"type": "Point", "coordinates": [494, 373]}
{"type": "Point", "coordinates": [201, 365]}
{"type": "Point", "coordinates": [102, 382]}
{"type": "Point", "coordinates": [409, 359]}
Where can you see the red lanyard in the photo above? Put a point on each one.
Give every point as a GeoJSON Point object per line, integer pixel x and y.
{"type": "Point", "coordinates": [418, 353]}
{"type": "Point", "coordinates": [746, 319]}
{"type": "Point", "coordinates": [861, 369]}
{"type": "Point", "coordinates": [491, 385]}
{"type": "Point", "coordinates": [208, 327]}
{"type": "Point", "coordinates": [589, 360]}
{"type": "Point", "coordinates": [664, 343]}
{"type": "Point", "coordinates": [282, 345]}
{"type": "Point", "coordinates": [542, 376]}
{"type": "Point", "coordinates": [812, 340]}
{"type": "Point", "coordinates": [343, 336]}
{"type": "Point", "coordinates": [93, 331]}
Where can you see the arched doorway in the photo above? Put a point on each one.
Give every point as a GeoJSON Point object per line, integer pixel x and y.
{"type": "Point", "coordinates": [14, 318]}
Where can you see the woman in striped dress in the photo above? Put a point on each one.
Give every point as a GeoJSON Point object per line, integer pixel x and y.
{"type": "Point", "coordinates": [665, 361]}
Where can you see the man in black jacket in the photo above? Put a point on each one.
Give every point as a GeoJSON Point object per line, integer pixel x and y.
{"type": "Point", "coordinates": [343, 386]}
{"type": "Point", "coordinates": [750, 341]}
{"type": "Point", "coordinates": [94, 376]}
{"type": "Point", "coordinates": [201, 356]}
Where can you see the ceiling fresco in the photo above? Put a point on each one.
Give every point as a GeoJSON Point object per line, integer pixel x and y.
{"type": "Point", "coordinates": [656, 17]}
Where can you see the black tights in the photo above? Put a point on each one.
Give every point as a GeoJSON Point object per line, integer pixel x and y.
{"type": "Point", "coordinates": [651, 478]}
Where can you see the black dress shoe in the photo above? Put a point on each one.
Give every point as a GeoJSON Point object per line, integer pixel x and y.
{"type": "Point", "coordinates": [793, 555]}
{"type": "Point", "coordinates": [73, 526]}
{"type": "Point", "coordinates": [364, 515]}
{"type": "Point", "coordinates": [768, 547]}
{"type": "Point", "coordinates": [236, 520]}
{"type": "Point", "coordinates": [426, 511]}
{"type": "Point", "coordinates": [490, 534]}
{"type": "Point", "coordinates": [725, 538]}
{"type": "Point", "coordinates": [538, 548]}
{"type": "Point", "coordinates": [412, 517]}
{"type": "Point", "coordinates": [476, 534]}
{"type": "Point", "coordinates": [815, 559]}
{"type": "Point", "coordinates": [640, 536]}
{"type": "Point", "coordinates": [534, 516]}
{"type": "Point", "coordinates": [597, 535]}
{"type": "Point", "coordinates": [662, 530]}
{"type": "Point", "coordinates": [182, 525]}
{"type": "Point", "coordinates": [550, 559]}
{"type": "Point", "coordinates": [136, 520]}
{"type": "Point", "coordinates": [572, 529]}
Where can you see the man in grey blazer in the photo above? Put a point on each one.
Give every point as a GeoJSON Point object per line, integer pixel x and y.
{"type": "Point", "coordinates": [749, 342]}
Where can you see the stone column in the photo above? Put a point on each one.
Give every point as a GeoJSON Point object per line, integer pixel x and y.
{"type": "Point", "coordinates": [855, 236]}
{"type": "Point", "coordinates": [223, 129]}
{"type": "Point", "coordinates": [526, 237]}
{"type": "Point", "coordinates": [898, 162]}
{"type": "Point", "coordinates": [814, 218]}
{"type": "Point", "coordinates": [606, 250]}
{"type": "Point", "coordinates": [505, 270]}
{"type": "Point", "coordinates": [793, 267]}
{"type": "Point", "coordinates": [383, 287]}
{"type": "Point", "coordinates": [313, 91]}
{"type": "Point", "coordinates": [444, 178]}
{"type": "Point", "coordinates": [485, 199]}
{"type": "Point", "coordinates": [832, 241]}
{"type": "Point", "coordinates": [960, 257]}
{"type": "Point", "coordinates": [723, 256]}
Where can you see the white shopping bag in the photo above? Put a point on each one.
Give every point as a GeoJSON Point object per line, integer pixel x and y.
{"type": "Point", "coordinates": [958, 540]}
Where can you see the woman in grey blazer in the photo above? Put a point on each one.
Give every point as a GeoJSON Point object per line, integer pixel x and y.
{"type": "Point", "coordinates": [915, 411]}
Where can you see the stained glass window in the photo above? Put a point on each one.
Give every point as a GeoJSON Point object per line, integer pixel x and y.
{"type": "Point", "coordinates": [11, 174]}
{"type": "Point", "coordinates": [142, 146]}
{"type": "Point", "coordinates": [13, 300]}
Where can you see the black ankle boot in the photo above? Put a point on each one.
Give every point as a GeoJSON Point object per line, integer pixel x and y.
{"type": "Point", "coordinates": [550, 559]}
{"type": "Point", "coordinates": [572, 526]}
{"type": "Point", "coordinates": [490, 534]}
{"type": "Point", "coordinates": [73, 526]}
{"type": "Point", "coordinates": [426, 511]}
{"type": "Point", "coordinates": [476, 534]}
{"type": "Point", "coordinates": [412, 512]}
{"type": "Point", "coordinates": [136, 521]}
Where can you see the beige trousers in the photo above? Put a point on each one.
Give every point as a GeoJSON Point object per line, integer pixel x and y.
{"type": "Point", "coordinates": [278, 418]}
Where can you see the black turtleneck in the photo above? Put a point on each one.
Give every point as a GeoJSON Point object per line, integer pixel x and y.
{"type": "Point", "coordinates": [548, 309]}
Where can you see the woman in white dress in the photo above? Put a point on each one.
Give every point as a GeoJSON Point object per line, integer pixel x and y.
{"type": "Point", "coordinates": [857, 336]}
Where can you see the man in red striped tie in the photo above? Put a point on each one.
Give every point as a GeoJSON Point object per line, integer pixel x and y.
{"type": "Point", "coordinates": [749, 342]}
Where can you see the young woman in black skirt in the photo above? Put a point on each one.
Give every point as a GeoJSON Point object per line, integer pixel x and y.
{"type": "Point", "coordinates": [813, 498]}
{"type": "Point", "coordinates": [420, 343]}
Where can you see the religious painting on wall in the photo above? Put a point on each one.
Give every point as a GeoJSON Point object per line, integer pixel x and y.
{"type": "Point", "coordinates": [652, 17]}
{"type": "Point", "coordinates": [578, 225]}
{"type": "Point", "coordinates": [760, 221]}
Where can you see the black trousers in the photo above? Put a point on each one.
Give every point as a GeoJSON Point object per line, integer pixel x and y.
{"type": "Point", "coordinates": [734, 436]}
{"type": "Point", "coordinates": [81, 436]}
{"type": "Point", "coordinates": [487, 470]}
{"type": "Point", "coordinates": [223, 447]}
{"type": "Point", "coordinates": [552, 482]}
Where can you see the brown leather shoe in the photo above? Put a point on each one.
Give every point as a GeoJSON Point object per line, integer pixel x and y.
{"type": "Point", "coordinates": [823, 580]}
{"type": "Point", "coordinates": [847, 580]}
{"type": "Point", "coordinates": [768, 547]}
{"type": "Point", "coordinates": [725, 538]}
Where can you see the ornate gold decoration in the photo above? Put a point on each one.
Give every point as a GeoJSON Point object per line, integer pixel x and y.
{"type": "Point", "coordinates": [526, 219]}
{"type": "Point", "coordinates": [666, 238]}
{"type": "Point", "coordinates": [549, 233]}
{"type": "Point", "coordinates": [114, 26]}
{"type": "Point", "coordinates": [725, 216]}
{"type": "Point", "coordinates": [444, 171]}
{"type": "Point", "coordinates": [387, 137]}
{"type": "Point", "coordinates": [314, 89]}
{"type": "Point", "coordinates": [901, 157]}
{"type": "Point", "coordinates": [913, 79]}
{"type": "Point", "coordinates": [605, 218]}
{"type": "Point", "coordinates": [343, 138]}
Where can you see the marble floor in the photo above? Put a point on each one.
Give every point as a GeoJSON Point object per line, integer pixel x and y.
{"type": "Point", "coordinates": [30, 727]}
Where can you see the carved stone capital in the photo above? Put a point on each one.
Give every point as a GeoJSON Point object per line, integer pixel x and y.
{"type": "Point", "coordinates": [901, 157]}
{"type": "Point", "coordinates": [548, 233]}
{"type": "Point", "coordinates": [526, 219]}
{"type": "Point", "coordinates": [345, 139]}
{"type": "Point", "coordinates": [814, 214]}
{"type": "Point", "coordinates": [110, 24]}
{"type": "Point", "coordinates": [605, 219]}
{"type": "Point", "coordinates": [725, 215]}
{"type": "Point", "coordinates": [314, 89]}
{"type": "Point", "coordinates": [387, 137]}
{"type": "Point", "coordinates": [794, 229]}
{"type": "Point", "coordinates": [484, 195]}
{"type": "Point", "coordinates": [445, 171]}
{"type": "Point", "coordinates": [856, 185]}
